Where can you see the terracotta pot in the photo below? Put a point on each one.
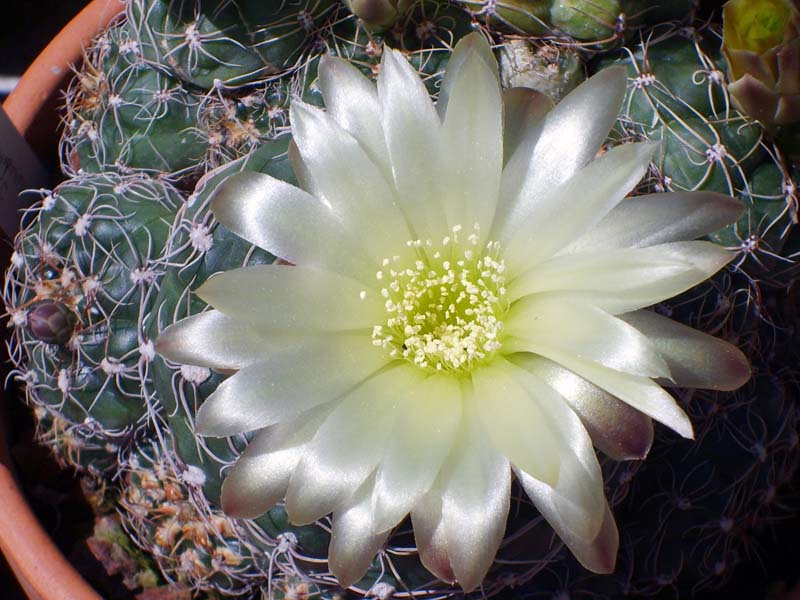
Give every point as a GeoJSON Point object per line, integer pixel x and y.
{"type": "Point", "coordinates": [40, 567]}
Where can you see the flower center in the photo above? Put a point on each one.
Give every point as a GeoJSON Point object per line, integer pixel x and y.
{"type": "Point", "coordinates": [444, 311]}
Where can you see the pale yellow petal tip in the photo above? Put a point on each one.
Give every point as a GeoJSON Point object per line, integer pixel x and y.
{"type": "Point", "coordinates": [738, 370]}
{"type": "Point", "coordinates": [616, 76]}
{"type": "Point", "coordinates": [684, 428]}
{"type": "Point", "coordinates": [600, 555]}
{"type": "Point", "coordinates": [347, 572]}
{"type": "Point", "coordinates": [223, 202]}
{"type": "Point", "coordinates": [605, 565]}
{"type": "Point", "coordinates": [472, 42]}
{"type": "Point", "coordinates": [165, 346]}
{"type": "Point", "coordinates": [231, 500]}
{"type": "Point", "coordinates": [209, 422]}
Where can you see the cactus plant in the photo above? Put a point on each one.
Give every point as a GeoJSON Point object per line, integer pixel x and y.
{"type": "Point", "coordinates": [177, 96]}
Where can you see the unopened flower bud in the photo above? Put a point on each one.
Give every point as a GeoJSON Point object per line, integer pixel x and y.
{"type": "Point", "coordinates": [379, 15]}
{"type": "Point", "coordinates": [51, 322]}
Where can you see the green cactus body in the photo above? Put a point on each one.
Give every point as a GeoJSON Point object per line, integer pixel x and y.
{"type": "Point", "coordinates": [207, 44]}
{"type": "Point", "coordinates": [92, 254]}
{"type": "Point", "coordinates": [596, 22]}
{"type": "Point", "coordinates": [124, 116]}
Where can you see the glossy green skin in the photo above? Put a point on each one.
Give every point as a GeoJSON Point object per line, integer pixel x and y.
{"type": "Point", "coordinates": [94, 249]}
{"type": "Point", "coordinates": [590, 21]}
{"type": "Point", "coordinates": [123, 115]}
{"type": "Point", "coordinates": [230, 44]}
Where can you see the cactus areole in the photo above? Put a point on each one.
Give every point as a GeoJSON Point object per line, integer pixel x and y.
{"type": "Point", "coordinates": [467, 304]}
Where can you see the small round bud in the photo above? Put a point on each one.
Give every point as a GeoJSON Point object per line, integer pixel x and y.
{"type": "Point", "coordinates": [378, 15]}
{"type": "Point", "coordinates": [51, 322]}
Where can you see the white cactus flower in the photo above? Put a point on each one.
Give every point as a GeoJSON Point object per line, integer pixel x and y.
{"type": "Point", "coordinates": [466, 303]}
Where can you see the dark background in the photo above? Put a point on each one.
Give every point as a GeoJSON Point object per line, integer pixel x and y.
{"type": "Point", "coordinates": [27, 25]}
{"type": "Point", "coordinates": [25, 28]}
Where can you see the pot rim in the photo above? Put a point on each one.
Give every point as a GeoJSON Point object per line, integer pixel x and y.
{"type": "Point", "coordinates": [40, 567]}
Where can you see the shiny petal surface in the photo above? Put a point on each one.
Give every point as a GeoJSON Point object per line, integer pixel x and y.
{"type": "Point", "coordinates": [658, 219]}
{"type": "Point", "coordinates": [420, 441]}
{"type": "Point", "coordinates": [475, 502]}
{"type": "Point", "coordinates": [352, 100]}
{"type": "Point", "coordinates": [293, 299]}
{"type": "Point", "coordinates": [289, 223]}
{"type": "Point", "coordinates": [473, 44]}
{"type": "Point", "coordinates": [473, 145]}
{"type": "Point", "coordinates": [515, 422]}
{"type": "Point", "coordinates": [550, 326]}
{"type": "Point", "coordinates": [429, 534]}
{"type": "Point", "coordinates": [354, 542]}
{"type": "Point", "coordinates": [624, 280]}
{"type": "Point", "coordinates": [214, 340]}
{"type": "Point", "coordinates": [345, 175]}
{"type": "Point", "coordinates": [562, 358]}
{"type": "Point", "coordinates": [590, 194]}
{"type": "Point", "coordinates": [580, 482]}
{"type": "Point", "coordinates": [261, 475]}
{"type": "Point", "coordinates": [599, 553]}
{"type": "Point", "coordinates": [524, 110]}
{"type": "Point", "coordinates": [414, 138]}
{"type": "Point", "coordinates": [567, 140]}
{"type": "Point", "coordinates": [282, 385]}
{"type": "Point", "coordinates": [342, 454]}
{"type": "Point", "coordinates": [304, 177]}
{"type": "Point", "coordinates": [640, 392]}
{"type": "Point", "coordinates": [616, 428]}
{"type": "Point", "coordinates": [695, 359]}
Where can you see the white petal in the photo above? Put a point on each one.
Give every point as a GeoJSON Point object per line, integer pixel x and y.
{"type": "Point", "coordinates": [286, 383]}
{"type": "Point", "coordinates": [524, 109]}
{"type": "Point", "coordinates": [421, 439]}
{"type": "Point", "coordinates": [641, 393]}
{"type": "Point", "coordinates": [413, 136]}
{"type": "Point", "coordinates": [343, 453]}
{"type": "Point", "coordinates": [473, 145]}
{"type": "Point", "coordinates": [304, 178]}
{"type": "Point", "coordinates": [475, 502]}
{"type": "Point", "coordinates": [516, 423]}
{"type": "Point", "coordinates": [473, 43]}
{"type": "Point", "coordinates": [214, 340]}
{"type": "Point", "coordinates": [352, 100]}
{"type": "Point", "coordinates": [616, 428]}
{"type": "Point", "coordinates": [293, 299]}
{"type": "Point", "coordinates": [354, 543]}
{"type": "Point", "coordinates": [598, 554]}
{"type": "Point", "coordinates": [695, 359]}
{"type": "Point", "coordinates": [569, 138]}
{"type": "Point", "coordinates": [429, 534]}
{"type": "Point", "coordinates": [626, 279]}
{"type": "Point", "coordinates": [289, 223]}
{"type": "Point", "coordinates": [357, 190]}
{"type": "Point", "coordinates": [659, 218]}
{"type": "Point", "coordinates": [574, 206]}
{"type": "Point", "coordinates": [261, 475]}
{"type": "Point", "coordinates": [549, 325]}
{"type": "Point", "coordinates": [579, 480]}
